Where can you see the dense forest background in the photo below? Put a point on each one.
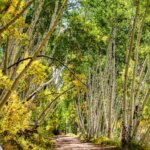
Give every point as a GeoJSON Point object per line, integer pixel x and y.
{"type": "Point", "coordinates": [77, 67]}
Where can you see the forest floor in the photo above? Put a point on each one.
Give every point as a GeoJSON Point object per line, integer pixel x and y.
{"type": "Point", "coordinates": [74, 143]}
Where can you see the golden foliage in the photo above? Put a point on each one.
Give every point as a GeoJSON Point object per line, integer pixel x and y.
{"type": "Point", "coordinates": [14, 117]}
{"type": "Point", "coordinates": [78, 82]}
{"type": "Point", "coordinates": [4, 81]}
{"type": "Point", "coordinates": [105, 39]}
{"type": "Point", "coordinates": [36, 72]}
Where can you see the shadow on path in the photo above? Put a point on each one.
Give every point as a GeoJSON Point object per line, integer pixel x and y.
{"type": "Point", "coordinates": [73, 143]}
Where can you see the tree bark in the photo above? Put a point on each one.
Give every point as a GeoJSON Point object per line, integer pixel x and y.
{"type": "Point", "coordinates": [124, 122]}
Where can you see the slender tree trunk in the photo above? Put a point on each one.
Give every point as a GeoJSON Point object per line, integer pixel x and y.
{"type": "Point", "coordinates": [124, 122]}
{"type": "Point", "coordinates": [112, 81]}
{"type": "Point", "coordinates": [132, 100]}
{"type": "Point", "coordinates": [139, 113]}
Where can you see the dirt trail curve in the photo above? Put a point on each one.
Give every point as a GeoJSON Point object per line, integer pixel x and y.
{"type": "Point", "coordinates": [73, 143]}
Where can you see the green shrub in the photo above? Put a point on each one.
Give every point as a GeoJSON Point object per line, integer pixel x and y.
{"type": "Point", "coordinates": [106, 141]}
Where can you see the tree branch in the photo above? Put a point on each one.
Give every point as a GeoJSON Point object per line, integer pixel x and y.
{"type": "Point", "coordinates": [42, 115]}
{"type": "Point", "coordinates": [71, 71]}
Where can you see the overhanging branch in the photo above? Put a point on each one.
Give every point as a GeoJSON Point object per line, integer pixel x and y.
{"type": "Point", "coordinates": [45, 56]}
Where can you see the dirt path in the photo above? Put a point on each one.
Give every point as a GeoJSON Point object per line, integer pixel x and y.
{"type": "Point", "coordinates": [73, 143]}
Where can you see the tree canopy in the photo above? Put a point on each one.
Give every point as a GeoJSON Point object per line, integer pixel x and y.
{"type": "Point", "coordinates": [77, 67]}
